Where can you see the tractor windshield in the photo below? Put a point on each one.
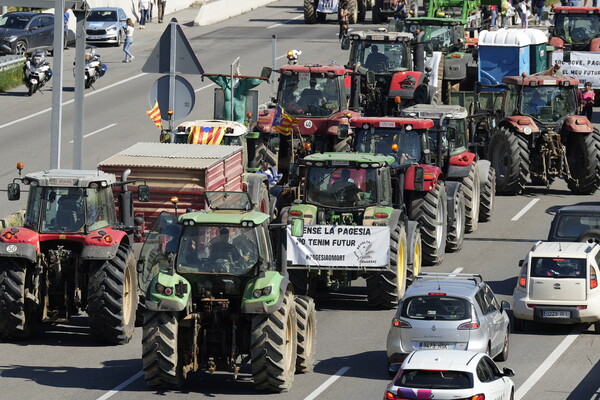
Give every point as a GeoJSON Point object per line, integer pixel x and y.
{"type": "Point", "coordinates": [381, 56]}
{"type": "Point", "coordinates": [310, 94]}
{"type": "Point", "coordinates": [548, 104]}
{"type": "Point", "coordinates": [440, 37]}
{"type": "Point", "coordinates": [577, 28]}
{"type": "Point", "coordinates": [341, 187]}
{"type": "Point", "coordinates": [405, 146]}
{"type": "Point", "coordinates": [72, 210]}
{"type": "Point", "coordinates": [217, 250]}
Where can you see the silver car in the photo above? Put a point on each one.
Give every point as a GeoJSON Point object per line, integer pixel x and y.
{"type": "Point", "coordinates": [106, 25]}
{"type": "Point", "coordinates": [444, 311]}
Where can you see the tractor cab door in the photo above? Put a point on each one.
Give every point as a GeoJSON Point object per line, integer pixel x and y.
{"type": "Point", "coordinates": [160, 242]}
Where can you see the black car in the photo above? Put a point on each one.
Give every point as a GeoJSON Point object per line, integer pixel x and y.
{"type": "Point", "coordinates": [23, 32]}
{"type": "Point", "coordinates": [576, 223]}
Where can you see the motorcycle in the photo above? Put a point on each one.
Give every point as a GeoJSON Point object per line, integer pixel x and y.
{"type": "Point", "coordinates": [94, 68]}
{"type": "Point", "coordinates": [36, 71]}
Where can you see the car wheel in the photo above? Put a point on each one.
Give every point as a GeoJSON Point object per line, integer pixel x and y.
{"type": "Point", "coordinates": [21, 48]}
{"type": "Point", "coordinates": [503, 356]}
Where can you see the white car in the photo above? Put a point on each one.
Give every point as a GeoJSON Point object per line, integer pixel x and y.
{"type": "Point", "coordinates": [450, 374]}
{"type": "Point", "coordinates": [558, 284]}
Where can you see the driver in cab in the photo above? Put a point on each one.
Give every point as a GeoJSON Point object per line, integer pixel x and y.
{"type": "Point", "coordinates": [376, 61]}
{"type": "Point", "coordinates": [221, 249]}
{"type": "Point", "coordinates": [534, 103]}
{"type": "Point", "coordinates": [345, 190]}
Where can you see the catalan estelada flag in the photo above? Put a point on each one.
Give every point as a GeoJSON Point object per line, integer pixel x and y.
{"type": "Point", "coordinates": [206, 135]}
{"type": "Point", "coordinates": [283, 123]}
{"type": "Point", "coordinates": [154, 115]}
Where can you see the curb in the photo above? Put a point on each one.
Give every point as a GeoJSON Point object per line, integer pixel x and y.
{"type": "Point", "coordinates": [220, 10]}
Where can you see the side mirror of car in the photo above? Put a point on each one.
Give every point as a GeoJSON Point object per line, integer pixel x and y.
{"type": "Point", "coordinates": [14, 191]}
{"type": "Point", "coordinates": [508, 372]}
{"type": "Point", "coordinates": [505, 305]}
{"type": "Point", "coordinates": [521, 263]}
{"type": "Point", "coordinates": [33, 28]}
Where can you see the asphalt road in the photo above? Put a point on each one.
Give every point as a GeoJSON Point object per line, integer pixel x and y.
{"type": "Point", "coordinates": [551, 362]}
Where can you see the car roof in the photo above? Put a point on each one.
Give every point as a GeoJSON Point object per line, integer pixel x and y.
{"type": "Point", "coordinates": [28, 13]}
{"type": "Point", "coordinates": [579, 209]}
{"type": "Point", "coordinates": [453, 285]}
{"type": "Point", "coordinates": [564, 249]}
{"type": "Point", "coordinates": [455, 360]}
{"type": "Point", "coordinates": [105, 9]}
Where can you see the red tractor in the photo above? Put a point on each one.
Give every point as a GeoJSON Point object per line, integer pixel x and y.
{"type": "Point", "coordinates": [71, 254]}
{"type": "Point", "coordinates": [576, 28]}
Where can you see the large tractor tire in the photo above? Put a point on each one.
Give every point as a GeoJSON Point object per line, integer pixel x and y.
{"type": "Point", "coordinates": [488, 195]}
{"type": "Point", "coordinates": [273, 347]}
{"type": "Point", "coordinates": [161, 360]}
{"type": "Point", "coordinates": [113, 298]}
{"type": "Point", "coordinates": [306, 314]}
{"type": "Point", "coordinates": [472, 189]}
{"type": "Point", "coordinates": [430, 210]}
{"type": "Point", "coordinates": [509, 154]}
{"type": "Point", "coordinates": [415, 253]}
{"type": "Point", "coordinates": [353, 9]}
{"type": "Point", "coordinates": [310, 13]}
{"type": "Point", "coordinates": [362, 10]}
{"type": "Point", "coordinates": [583, 156]}
{"type": "Point", "coordinates": [384, 289]}
{"type": "Point", "coordinates": [19, 316]}
{"type": "Point", "coordinates": [456, 227]}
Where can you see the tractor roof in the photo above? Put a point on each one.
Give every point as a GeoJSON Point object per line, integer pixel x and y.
{"type": "Point", "coordinates": [392, 122]}
{"type": "Point", "coordinates": [316, 68]}
{"type": "Point", "coordinates": [435, 111]}
{"type": "Point", "coordinates": [434, 21]}
{"type": "Point", "coordinates": [224, 217]}
{"type": "Point", "coordinates": [343, 159]}
{"type": "Point", "coordinates": [541, 80]}
{"type": "Point", "coordinates": [71, 177]}
{"type": "Point", "coordinates": [234, 128]}
{"type": "Point", "coordinates": [381, 35]}
{"type": "Point", "coordinates": [576, 10]}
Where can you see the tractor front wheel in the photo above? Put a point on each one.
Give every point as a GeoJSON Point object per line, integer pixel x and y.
{"type": "Point", "coordinates": [354, 11]}
{"type": "Point", "coordinates": [488, 194]}
{"type": "Point", "coordinates": [307, 333]}
{"type": "Point", "coordinates": [583, 156]}
{"type": "Point", "coordinates": [310, 15]}
{"type": "Point", "coordinates": [19, 313]}
{"type": "Point", "coordinates": [472, 188]}
{"type": "Point", "coordinates": [509, 154]}
{"type": "Point", "coordinates": [456, 230]}
{"type": "Point", "coordinates": [430, 210]}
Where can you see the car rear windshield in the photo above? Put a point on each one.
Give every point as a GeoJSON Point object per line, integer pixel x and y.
{"type": "Point", "coordinates": [427, 379]}
{"type": "Point", "coordinates": [558, 267]}
{"type": "Point", "coordinates": [573, 225]}
{"type": "Point", "coordinates": [438, 307]}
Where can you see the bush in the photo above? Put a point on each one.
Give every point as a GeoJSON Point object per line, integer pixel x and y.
{"type": "Point", "coordinates": [11, 78]}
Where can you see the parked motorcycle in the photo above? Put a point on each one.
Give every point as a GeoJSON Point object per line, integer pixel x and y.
{"type": "Point", "coordinates": [36, 71]}
{"type": "Point", "coordinates": [94, 68]}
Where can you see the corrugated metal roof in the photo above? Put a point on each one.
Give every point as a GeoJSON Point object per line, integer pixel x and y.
{"type": "Point", "coordinates": [171, 155]}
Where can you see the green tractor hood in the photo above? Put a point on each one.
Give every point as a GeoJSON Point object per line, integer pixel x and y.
{"type": "Point", "coordinates": [168, 292]}
{"type": "Point", "coordinates": [264, 293]}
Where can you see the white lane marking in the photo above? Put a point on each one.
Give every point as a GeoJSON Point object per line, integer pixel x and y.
{"type": "Point", "coordinates": [204, 87]}
{"type": "Point", "coordinates": [458, 270]}
{"type": "Point", "coordinates": [96, 131]}
{"type": "Point", "coordinates": [285, 22]}
{"type": "Point", "coordinates": [327, 383]}
{"type": "Point", "coordinates": [45, 110]}
{"type": "Point", "coordinates": [545, 366]}
{"type": "Point", "coordinates": [121, 386]}
{"type": "Point", "coordinates": [524, 210]}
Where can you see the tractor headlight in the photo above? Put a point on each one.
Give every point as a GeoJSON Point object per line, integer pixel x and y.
{"type": "Point", "coordinates": [527, 130]}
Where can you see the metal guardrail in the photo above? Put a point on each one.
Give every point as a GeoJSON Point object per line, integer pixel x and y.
{"type": "Point", "coordinates": [10, 61]}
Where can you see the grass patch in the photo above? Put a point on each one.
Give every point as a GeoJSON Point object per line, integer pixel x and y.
{"type": "Point", "coordinates": [11, 78]}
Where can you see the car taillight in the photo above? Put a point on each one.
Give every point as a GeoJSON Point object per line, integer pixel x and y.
{"type": "Point", "coordinates": [523, 279]}
{"type": "Point", "coordinates": [400, 323]}
{"type": "Point", "coordinates": [469, 326]}
{"type": "Point", "coordinates": [593, 280]}
{"type": "Point", "coordinates": [391, 396]}
{"type": "Point", "coordinates": [477, 397]}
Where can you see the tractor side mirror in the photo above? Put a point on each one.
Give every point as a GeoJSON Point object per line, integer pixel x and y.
{"type": "Point", "coordinates": [143, 193]}
{"type": "Point", "coordinates": [297, 227]}
{"type": "Point", "coordinates": [266, 72]}
{"type": "Point", "coordinates": [294, 175]}
{"type": "Point", "coordinates": [14, 191]}
{"type": "Point", "coordinates": [342, 131]}
{"type": "Point", "coordinates": [345, 43]}
{"type": "Point", "coordinates": [428, 47]}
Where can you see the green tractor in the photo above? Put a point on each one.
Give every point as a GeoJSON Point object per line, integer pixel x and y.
{"type": "Point", "coordinates": [215, 299]}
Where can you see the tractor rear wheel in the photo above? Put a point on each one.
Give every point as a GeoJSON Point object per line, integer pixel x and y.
{"type": "Point", "coordinates": [583, 156]}
{"type": "Point", "coordinates": [509, 154]}
{"type": "Point", "coordinates": [161, 359]}
{"type": "Point", "coordinates": [488, 194]}
{"type": "Point", "coordinates": [415, 253]}
{"type": "Point", "coordinates": [113, 298]}
{"type": "Point", "coordinates": [471, 187]}
{"type": "Point", "coordinates": [273, 347]}
{"type": "Point", "coordinates": [310, 15]}
{"type": "Point", "coordinates": [384, 289]}
{"type": "Point", "coordinates": [456, 230]}
{"type": "Point", "coordinates": [429, 209]}
{"type": "Point", "coordinates": [353, 9]}
{"type": "Point", "coordinates": [306, 314]}
{"type": "Point", "coordinates": [19, 314]}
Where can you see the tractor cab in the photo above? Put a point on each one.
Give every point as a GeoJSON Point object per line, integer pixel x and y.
{"type": "Point", "coordinates": [444, 35]}
{"type": "Point", "coordinates": [380, 51]}
{"type": "Point", "coordinates": [576, 28]}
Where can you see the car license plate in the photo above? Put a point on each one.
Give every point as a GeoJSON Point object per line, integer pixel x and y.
{"type": "Point", "coordinates": [556, 314]}
{"type": "Point", "coordinates": [433, 346]}
{"type": "Point", "coordinates": [94, 37]}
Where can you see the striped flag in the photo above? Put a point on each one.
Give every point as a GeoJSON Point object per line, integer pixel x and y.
{"type": "Point", "coordinates": [154, 115]}
{"type": "Point", "coordinates": [206, 135]}
{"type": "Point", "coordinates": [283, 123]}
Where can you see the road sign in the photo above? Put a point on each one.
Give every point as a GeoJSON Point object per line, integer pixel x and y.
{"type": "Point", "coordinates": [173, 43]}
{"type": "Point", "coordinates": [184, 97]}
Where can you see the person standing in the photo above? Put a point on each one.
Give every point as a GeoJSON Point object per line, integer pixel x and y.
{"type": "Point", "coordinates": [161, 9]}
{"type": "Point", "coordinates": [588, 97]}
{"type": "Point", "coordinates": [143, 7]}
{"type": "Point", "coordinates": [522, 9]}
{"type": "Point", "coordinates": [344, 16]}
{"type": "Point", "coordinates": [538, 6]}
{"type": "Point", "coordinates": [128, 40]}
{"type": "Point", "coordinates": [150, 9]}
{"type": "Point", "coordinates": [66, 22]}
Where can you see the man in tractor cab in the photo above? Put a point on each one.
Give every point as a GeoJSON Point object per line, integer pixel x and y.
{"type": "Point", "coordinates": [533, 102]}
{"type": "Point", "coordinates": [376, 61]}
{"type": "Point", "coordinates": [69, 216]}
{"type": "Point", "coordinates": [311, 96]}
{"type": "Point", "coordinates": [221, 249]}
{"type": "Point", "coordinates": [345, 190]}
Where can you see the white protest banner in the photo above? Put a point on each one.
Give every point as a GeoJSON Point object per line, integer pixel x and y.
{"type": "Point", "coordinates": [332, 246]}
{"type": "Point", "coordinates": [584, 66]}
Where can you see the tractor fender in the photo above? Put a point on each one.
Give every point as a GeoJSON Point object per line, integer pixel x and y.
{"type": "Point", "coordinates": [176, 301]}
{"type": "Point", "coordinates": [452, 190]}
{"type": "Point", "coordinates": [484, 169]}
{"type": "Point", "coordinates": [271, 286]}
{"type": "Point", "coordinates": [578, 124]}
{"type": "Point", "coordinates": [431, 175]}
{"type": "Point", "coordinates": [308, 213]}
{"type": "Point", "coordinates": [595, 45]}
{"type": "Point", "coordinates": [265, 120]}
{"type": "Point", "coordinates": [19, 250]}
{"type": "Point", "coordinates": [556, 42]}
{"type": "Point", "coordinates": [404, 83]}
{"type": "Point", "coordinates": [520, 122]}
{"type": "Point", "coordinates": [455, 68]}
{"type": "Point", "coordinates": [97, 249]}
{"type": "Point", "coordinates": [460, 165]}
